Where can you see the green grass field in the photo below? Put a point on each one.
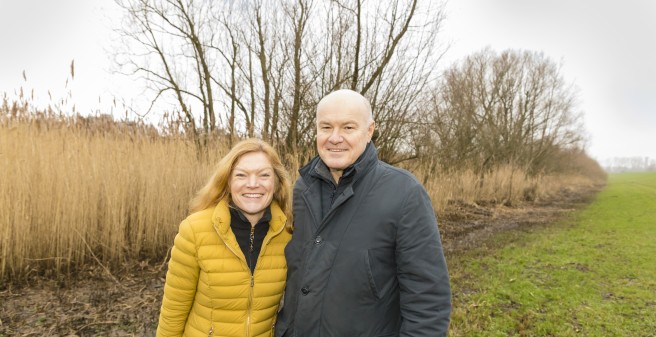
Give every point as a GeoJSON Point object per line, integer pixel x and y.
{"type": "Point", "coordinates": [592, 274]}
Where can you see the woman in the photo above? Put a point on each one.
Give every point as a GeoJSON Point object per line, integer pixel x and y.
{"type": "Point", "coordinates": [227, 270]}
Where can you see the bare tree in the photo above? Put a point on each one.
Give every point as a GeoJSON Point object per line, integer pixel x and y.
{"type": "Point", "coordinates": [166, 43]}
{"type": "Point", "coordinates": [267, 63]}
{"type": "Point", "coordinates": [508, 108]}
{"type": "Point", "coordinates": [388, 51]}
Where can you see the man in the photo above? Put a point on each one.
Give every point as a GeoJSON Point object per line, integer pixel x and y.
{"type": "Point", "coordinates": [365, 258]}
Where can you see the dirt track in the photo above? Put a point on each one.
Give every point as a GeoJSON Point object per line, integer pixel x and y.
{"type": "Point", "coordinates": [126, 303]}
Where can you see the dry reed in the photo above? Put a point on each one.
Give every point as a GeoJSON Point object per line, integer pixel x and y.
{"type": "Point", "coordinates": [506, 185]}
{"type": "Point", "coordinates": [69, 194]}
{"type": "Point", "coordinates": [74, 192]}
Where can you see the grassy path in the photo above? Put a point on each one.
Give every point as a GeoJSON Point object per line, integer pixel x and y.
{"type": "Point", "coordinates": [593, 274]}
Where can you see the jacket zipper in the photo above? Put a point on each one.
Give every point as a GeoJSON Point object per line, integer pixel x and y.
{"type": "Point", "coordinates": [250, 291]}
{"type": "Point", "coordinates": [210, 333]}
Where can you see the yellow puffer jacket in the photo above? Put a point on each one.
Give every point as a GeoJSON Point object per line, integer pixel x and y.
{"type": "Point", "coordinates": [209, 289]}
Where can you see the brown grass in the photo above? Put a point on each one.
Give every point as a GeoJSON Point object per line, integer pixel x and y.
{"type": "Point", "coordinates": [506, 186]}
{"type": "Point", "coordinates": [72, 195]}
{"type": "Point", "coordinates": [80, 191]}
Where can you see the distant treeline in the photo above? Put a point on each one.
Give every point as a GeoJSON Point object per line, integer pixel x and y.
{"type": "Point", "coordinates": [629, 164]}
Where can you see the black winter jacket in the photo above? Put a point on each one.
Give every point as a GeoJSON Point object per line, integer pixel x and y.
{"type": "Point", "coordinates": [373, 266]}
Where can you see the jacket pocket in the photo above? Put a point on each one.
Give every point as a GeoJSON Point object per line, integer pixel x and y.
{"type": "Point", "coordinates": [370, 275]}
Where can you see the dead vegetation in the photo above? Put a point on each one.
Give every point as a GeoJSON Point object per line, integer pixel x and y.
{"type": "Point", "coordinates": [79, 191]}
{"type": "Point", "coordinates": [465, 226]}
{"type": "Point", "coordinates": [93, 302]}
{"type": "Point", "coordinates": [90, 304]}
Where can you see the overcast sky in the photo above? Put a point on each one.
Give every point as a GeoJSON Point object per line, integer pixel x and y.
{"type": "Point", "coordinates": [607, 48]}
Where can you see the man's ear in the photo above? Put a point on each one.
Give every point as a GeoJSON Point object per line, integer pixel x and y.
{"type": "Point", "coordinates": [370, 131]}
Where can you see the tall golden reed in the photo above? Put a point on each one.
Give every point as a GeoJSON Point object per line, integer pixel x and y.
{"type": "Point", "coordinates": [73, 194]}
{"type": "Point", "coordinates": [506, 185]}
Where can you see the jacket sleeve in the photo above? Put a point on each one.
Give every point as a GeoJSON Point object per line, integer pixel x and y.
{"type": "Point", "coordinates": [425, 293]}
{"type": "Point", "coordinates": [180, 285]}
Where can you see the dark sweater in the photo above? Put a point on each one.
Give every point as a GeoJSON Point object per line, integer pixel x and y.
{"type": "Point", "coordinates": [241, 227]}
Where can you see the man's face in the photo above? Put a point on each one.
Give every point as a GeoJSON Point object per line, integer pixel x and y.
{"type": "Point", "coordinates": [343, 131]}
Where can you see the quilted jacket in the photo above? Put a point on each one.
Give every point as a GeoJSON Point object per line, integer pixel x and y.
{"type": "Point", "coordinates": [372, 266]}
{"type": "Point", "coordinates": [209, 289]}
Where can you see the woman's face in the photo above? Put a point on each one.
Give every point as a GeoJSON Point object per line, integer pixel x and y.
{"type": "Point", "coordinates": [252, 184]}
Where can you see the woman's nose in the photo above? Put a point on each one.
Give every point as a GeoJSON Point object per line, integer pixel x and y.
{"type": "Point", "coordinates": [252, 181]}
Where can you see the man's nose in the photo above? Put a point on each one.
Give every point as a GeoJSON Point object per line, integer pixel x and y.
{"type": "Point", "coordinates": [335, 137]}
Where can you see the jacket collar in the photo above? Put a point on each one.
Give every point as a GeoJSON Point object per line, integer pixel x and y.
{"type": "Point", "coordinates": [239, 219]}
{"type": "Point", "coordinates": [317, 168]}
{"type": "Point", "coordinates": [221, 217]}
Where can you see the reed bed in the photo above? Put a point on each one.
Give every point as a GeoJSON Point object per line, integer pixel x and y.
{"type": "Point", "coordinates": [505, 186]}
{"type": "Point", "coordinates": [74, 193]}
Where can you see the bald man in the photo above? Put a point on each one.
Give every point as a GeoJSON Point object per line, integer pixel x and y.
{"type": "Point", "coordinates": [365, 258]}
